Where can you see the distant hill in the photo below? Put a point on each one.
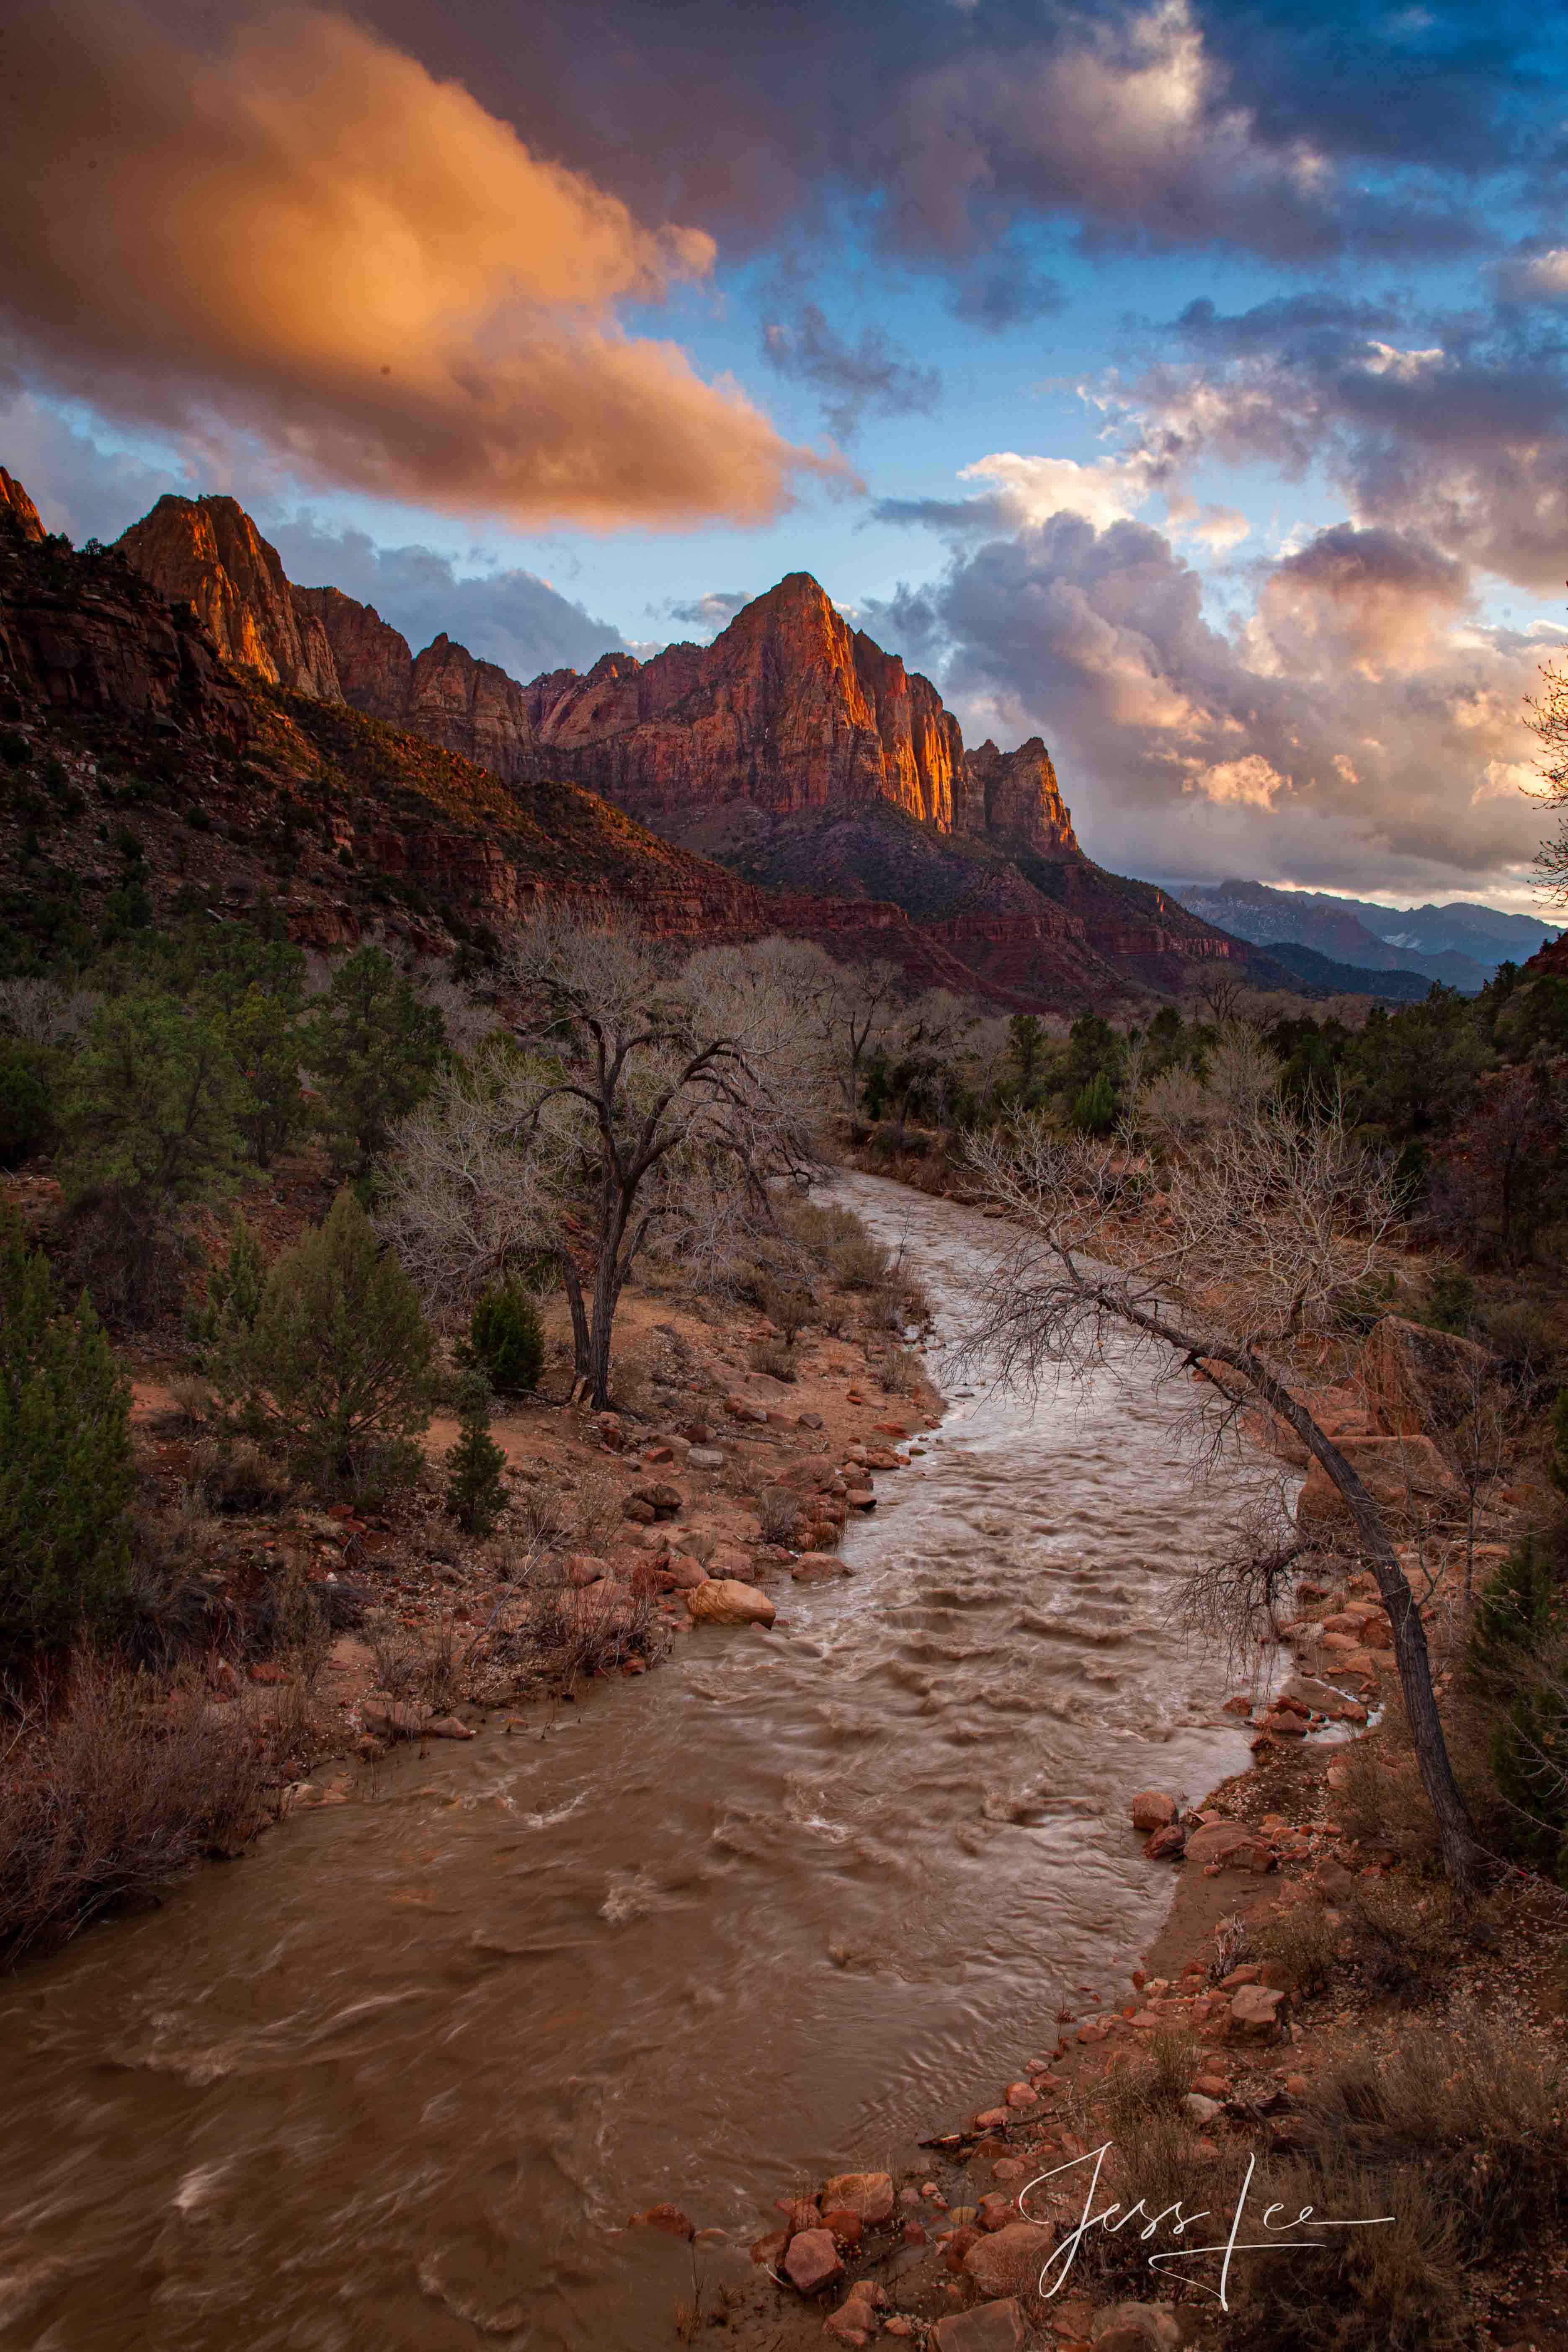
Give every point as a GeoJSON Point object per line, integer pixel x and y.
{"type": "Point", "coordinates": [1461, 944]}
{"type": "Point", "coordinates": [1320, 975]}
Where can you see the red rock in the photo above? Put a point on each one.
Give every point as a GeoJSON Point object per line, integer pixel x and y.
{"type": "Point", "coordinates": [989, 2327]}
{"type": "Point", "coordinates": [1010, 2261]}
{"type": "Point", "coordinates": [1152, 1808]}
{"type": "Point", "coordinates": [847, 2228]}
{"type": "Point", "coordinates": [1167, 1844]}
{"type": "Point", "coordinates": [209, 551]}
{"type": "Point", "coordinates": [811, 2260]}
{"type": "Point", "coordinates": [956, 2245]}
{"type": "Point", "coordinates": [14, 502]}
{"type": "Point", "coordinates": [1021, 2094]}
{"type": "Point", "coordinates": [769, 2251]}
{"type": "Point", "coordinates": [1238, 1704]}
{"type": "Point", "coordinates": [262, 1670]}
{"type": "Point", "coordinates": [867, 2195]}
{"type": "Point", "coordinates": [800, 2214]}
{"type": "Point", "coordinates": [914, 2235]}
{"type": "Point", "coordinates": [668, 2217]}
{"type": "Point", "coordinates": [890, 1429]}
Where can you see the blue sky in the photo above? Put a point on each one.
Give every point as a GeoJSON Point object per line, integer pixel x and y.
{"type": "Point", "coordinates": [1186, 383]}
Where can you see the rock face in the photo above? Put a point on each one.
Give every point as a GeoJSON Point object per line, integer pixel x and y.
{"type": "Point", "coordinates": [789, 710]}
{"type": "Point", "coordinates": [1021, 799]}
{"type": "Point", "coordinates": [207, 553]}
{"type": "Point", "coordinates": [14, 502]}
{"type": "Point", "coordinates": [445, 693]}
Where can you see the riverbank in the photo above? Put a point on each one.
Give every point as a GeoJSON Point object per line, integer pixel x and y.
{"type": "Point", "coordinates": [1308, 1953]}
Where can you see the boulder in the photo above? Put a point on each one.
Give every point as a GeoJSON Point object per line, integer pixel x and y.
{"type": "Point", "coordinates": [705, 1457]}
{"type": "Point", "coordinates": [867, 2195]}
{"type": "Point", "coordinates": [668, 2217]}
{"type": "Point", "coordinates": [989, 2327]}
{"type": "Point", "coordinates": [1152, 1808]}
{"type": "Point", "coordinates": [1261, 2012]}
{"type": "Point", "coordinates": [657, 1497]}
{"type": "Point", "coordinates": [818, 1567]}
{"type": "Point", "coordinates": [1420, 1382]}
{"type": "Point", "coordinates": [1134, 2327]}
{"type": "Point", "coordinates": [1232, 1844]}
{"type": "Point", "coordinates": [1168, 1844]}
{"type": "Point", "coordinates": [585, 1568]}
{"type": "Point", "coordinates": [1402, 1475]}
{"type": "Point", "coordinates": [684, 1572]}
{"type": "Point", "coordinates": [1009, 2261]}
{"type": "Point", "coordinates": [811, 2260]}
{"type": "Point", "coordinates": [724, 1601]}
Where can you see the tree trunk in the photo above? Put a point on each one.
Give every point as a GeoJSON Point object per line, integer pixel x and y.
{"type": "Point", "coordinates": [1464, 1862]}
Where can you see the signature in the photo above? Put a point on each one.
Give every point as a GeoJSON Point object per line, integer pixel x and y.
{"type": "Point", "coordinates": [1176, 2223]}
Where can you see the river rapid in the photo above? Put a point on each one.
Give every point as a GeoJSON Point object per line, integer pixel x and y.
{"type": "Point", "coordinates": [396, 2079]}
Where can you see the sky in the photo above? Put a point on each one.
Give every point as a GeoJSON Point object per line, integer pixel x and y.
{"type": "Point", "coordinates": [1184, 383]}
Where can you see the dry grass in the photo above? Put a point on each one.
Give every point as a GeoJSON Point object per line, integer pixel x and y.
{"type": "Point", "coordinates": [597, 1502]}
{"type": "Point", "coordinates": [778, 1361]}
{"type": "Point", "coordinates": [1305, 1943]}
{"type": "Point", "coordinates": [779, 1512]}
{"type": "Point", "coordinates": [122, 1787]}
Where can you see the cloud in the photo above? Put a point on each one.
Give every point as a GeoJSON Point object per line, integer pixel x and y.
{"type": "Point", "coordinates": [713, 612]}
{"type": "Point", "coordinates": [508, 617]}
{"type": "Point", "coordinates": [1359, 723]}
{"type": "Point", "coordinates": [84, 490]}
{"type": "Point", "coordinates": [1003, 288]}
{"type": "Point", "coordinates": [1107, 489]}
{"type": "Point", "coordinates": [954, 130]}
{"type": "Point", "coordinates": [300, 230]}
{"type": "Point", "coordinates": [1454, 429]}
{"type": "Point", "coordinates": [871, 375]}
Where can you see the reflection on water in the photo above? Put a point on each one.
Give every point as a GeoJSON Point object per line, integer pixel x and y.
{"type": "Point", "coordinates": [396, 2079]}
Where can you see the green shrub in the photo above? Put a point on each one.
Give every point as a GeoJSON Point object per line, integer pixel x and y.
{"type": "Point", "coordinates": [1094, 1107]}
{"type": "Point", "coordinates": [66, 1473]}
{"type": "Point", "coordinates": [505, 1340]}
{"type": "Point", "coordinates": [26, 1116]}
{"type": "Point", "coordinates": [233, 1297]}
{"type": "Point", "coordinates": [475, 1495]}
{"type": "Point", "coordinates": [338, 1369]}
{"type": "Point", "coordinates": [1516, 1661]}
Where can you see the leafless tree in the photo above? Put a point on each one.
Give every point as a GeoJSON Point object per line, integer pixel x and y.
{"type": "Point", "coordinates": [1547, 718]}
{"type": "Point", "coordinates": [864, 1001]}
{"type": "Point", "coordinates": [1239, 1271]}
{"type": "Point", "coordinates": [641, 1106]}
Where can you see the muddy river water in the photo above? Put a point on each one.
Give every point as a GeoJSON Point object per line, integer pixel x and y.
{"type": "Point", "coordinates": [396, 2079]}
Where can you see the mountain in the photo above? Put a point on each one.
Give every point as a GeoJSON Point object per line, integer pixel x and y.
{"type": "Point", "coordinates": [1461, 944]}
{"type": "Point", "coordinates": [793, 749]}
{"type": "Point", "coordinates": [1317, 975]}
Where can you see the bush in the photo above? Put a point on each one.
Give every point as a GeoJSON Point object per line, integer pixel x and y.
{"type": "Point", "coordinates": [1094, 1106]}
{"type": "Point", "coordinates": [506, 1341]}
{"type": "Point", "coordinates": [475, 1495]}
{"type": "Point", "coordinates": [65, 1471]}
{"type": "Point", "coordinates": [1516, 1660]}
{"type": "Point", "coordinates": [113, 1800]}
{"type": "Point", "coordinates": [338, 1369]}
{"type": "Point", "coordinates": [778, 1362]}
{"type": "Point", "coordinates": [26, 1117]}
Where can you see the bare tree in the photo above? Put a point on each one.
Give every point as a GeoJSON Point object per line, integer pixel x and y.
{"type": "Point", "coordinates": [642, 1107]}
{"type": "Point", "coordinates": [1268, 1226]}
{"type": "Point", "coordinates": [864, 1001]}
{"type": "Point", "coordinates": [1547, 718]}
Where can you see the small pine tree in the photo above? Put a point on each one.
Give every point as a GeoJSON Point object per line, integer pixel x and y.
{"type": "Point", "coordinates": [337, 1367]}
{"type": "Point", "coordinates": [233, 1293]}
{"type": "Point", "coordinates": [505, 1340]}
{"type": "Point", "coordinates": [376, 1049]}
{"type": "Point", "coordinates": [1094, 1111]}
{"type": "Point", "coordinates": [66, 1470]}
{"type": "Point", "coordinates": [475, 1495]}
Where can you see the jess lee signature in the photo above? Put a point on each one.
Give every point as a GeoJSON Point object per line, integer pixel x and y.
{"type": "Point", "coordinates": [1176, 2223]}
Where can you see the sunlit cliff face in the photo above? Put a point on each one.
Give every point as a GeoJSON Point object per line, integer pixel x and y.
{"type": "Point", "coordinates": [302, 232]}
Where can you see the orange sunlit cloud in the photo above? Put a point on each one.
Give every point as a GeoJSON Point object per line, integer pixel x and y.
{"type": "Point", "coordinates": [305, 232]}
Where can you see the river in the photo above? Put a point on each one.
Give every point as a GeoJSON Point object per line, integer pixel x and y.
{"type": "Point", "coordinates": [396, 2079]}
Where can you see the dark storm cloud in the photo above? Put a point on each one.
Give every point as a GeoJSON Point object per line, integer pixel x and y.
{"type": "Point", "coordinates": [511, 617]}
{"type": "Point", "coordinates": [869, 375]}
{"type": "Point", "coordinates": [1287, 132]}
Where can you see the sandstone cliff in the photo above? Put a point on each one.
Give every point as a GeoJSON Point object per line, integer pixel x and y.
{"type": "Point", "coordinates": [471, 707]}
{"type": "Point", "coordinates": [207, 553]}
{"type": "Point", "coordinates": [1020, 800]}
{"type": "Point", "coordinates": [14, 502]}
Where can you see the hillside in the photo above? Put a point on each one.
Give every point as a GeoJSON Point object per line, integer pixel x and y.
{"type": "Point", "coordinates": [1460, 944]}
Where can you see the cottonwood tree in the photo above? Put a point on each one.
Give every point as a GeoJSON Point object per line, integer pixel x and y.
{"type": "Point", "coordinates": [1240, 1272]}
{"type": "Point", "coordinates": [638, 1108]}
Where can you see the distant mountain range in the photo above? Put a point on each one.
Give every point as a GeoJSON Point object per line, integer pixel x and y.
{"type": "Point", "coordinates": [1461, 944]}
